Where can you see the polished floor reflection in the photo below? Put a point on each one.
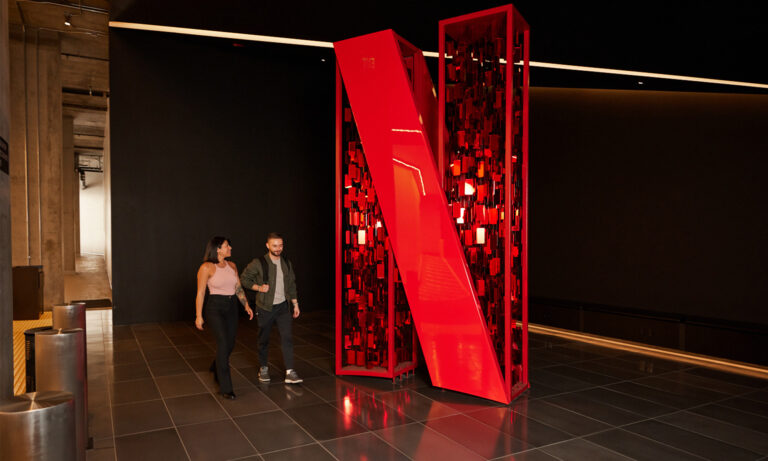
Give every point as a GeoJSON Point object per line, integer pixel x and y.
{"type": "Point", "coordinates": [151, 397]}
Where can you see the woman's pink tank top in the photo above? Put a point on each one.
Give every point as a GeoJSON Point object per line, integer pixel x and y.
{"type": "Point", "coordinates": [223, 281]}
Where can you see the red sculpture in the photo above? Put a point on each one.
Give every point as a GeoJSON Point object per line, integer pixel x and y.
{"type": "Point", "coordinates": [425, 245]}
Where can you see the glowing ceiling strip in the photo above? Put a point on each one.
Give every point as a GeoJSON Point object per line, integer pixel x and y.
{"type": "Point", "coordinates": [431, 54]}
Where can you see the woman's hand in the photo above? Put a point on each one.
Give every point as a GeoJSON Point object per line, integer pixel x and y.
{"type": "Point", "coordinates": [199, 322]}
{"type": "Point", "coordinates": [249, 312]}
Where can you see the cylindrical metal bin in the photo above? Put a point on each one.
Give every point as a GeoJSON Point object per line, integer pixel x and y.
{"type": "Point", "coordinates": [29, 355]}
{"type": "Point", "coordinates": [60, 366]}
{"type": "Point", "coordinates": [67, 316]}
{"type": "Point", "coordinates": [38, 426]}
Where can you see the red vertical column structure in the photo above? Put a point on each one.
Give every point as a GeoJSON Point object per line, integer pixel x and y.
{"type": "Point", "coordinates": [483, 160]}
{"type": "Point", "coordinates": [375, 333]}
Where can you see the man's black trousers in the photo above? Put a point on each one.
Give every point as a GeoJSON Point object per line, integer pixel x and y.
{"type": "Point", "coordinates": [280, 314]}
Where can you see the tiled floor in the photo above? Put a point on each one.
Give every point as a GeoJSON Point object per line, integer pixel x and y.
{"type": "Point", "coordinates": [151, 397]}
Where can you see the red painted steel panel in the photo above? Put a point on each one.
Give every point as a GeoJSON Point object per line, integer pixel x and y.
{"type": "Point", "coordinates": [435, 275]}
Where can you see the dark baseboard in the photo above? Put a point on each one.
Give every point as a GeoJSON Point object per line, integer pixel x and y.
{"type": "Point", "coordinates": [714, 337]}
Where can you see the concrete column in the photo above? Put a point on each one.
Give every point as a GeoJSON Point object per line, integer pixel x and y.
{"type": "Point", "coordinates": [69, 195]}
{"type": "Point", "coordinates": [6, 297]}
{"type": "Point", "coordinates": [108, 200]}
{"type": "Point", "coordinates": [36, 156]}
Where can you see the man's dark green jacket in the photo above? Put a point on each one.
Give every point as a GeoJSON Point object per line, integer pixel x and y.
{"type": "Point", "coordinates": [252, 275]}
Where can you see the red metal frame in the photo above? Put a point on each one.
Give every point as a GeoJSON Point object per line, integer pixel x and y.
{"type": "Point", "coordinates": [474, 340]}
{"type": "Point", "coordinates": [471, 33]}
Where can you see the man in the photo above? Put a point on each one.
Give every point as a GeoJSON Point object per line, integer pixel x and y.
{"type": "Point", "coordinates": [274, 282]}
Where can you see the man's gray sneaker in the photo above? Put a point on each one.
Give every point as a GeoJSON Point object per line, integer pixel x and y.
{"type": "Point", "coordinates": [291, 377]}
{"type": "Point", "coordinates": [264, 374]}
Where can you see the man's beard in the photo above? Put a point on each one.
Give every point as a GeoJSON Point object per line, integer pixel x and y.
{"type": "Point", "coordinates": [275, 254]}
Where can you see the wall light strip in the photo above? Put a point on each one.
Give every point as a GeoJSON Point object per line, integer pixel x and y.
{"type": "Point", "coordinates": [430, 54]}
{"type": "Point", "coordinates": [220, 34]}
{"type": "Point", "coordinates": [730, 366]}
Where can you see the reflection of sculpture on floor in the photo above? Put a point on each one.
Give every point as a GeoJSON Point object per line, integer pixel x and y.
{"type": "Point", "coordinates": [432, 217]}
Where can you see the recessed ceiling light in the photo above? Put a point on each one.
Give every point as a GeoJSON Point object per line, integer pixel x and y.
{"type": "Point", "coordinates": [68, 20]}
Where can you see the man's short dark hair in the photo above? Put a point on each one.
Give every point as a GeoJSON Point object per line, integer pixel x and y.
{"type": "Point", "coordinates": [274, 235]}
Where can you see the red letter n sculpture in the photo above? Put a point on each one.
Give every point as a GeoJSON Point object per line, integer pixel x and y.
{"type": "Point", "coordinates": [430, 208]}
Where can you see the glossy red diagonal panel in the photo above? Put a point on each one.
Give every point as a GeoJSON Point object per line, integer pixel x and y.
{"type": "Point", "coordinates": [437, 282]}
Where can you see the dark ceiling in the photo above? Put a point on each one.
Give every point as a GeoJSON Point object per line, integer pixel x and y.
{"type": "Point", "coordinates": [695, 38]}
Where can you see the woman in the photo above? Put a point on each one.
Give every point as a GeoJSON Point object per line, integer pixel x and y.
{"type": "Point", "coordinates": [220, 277]}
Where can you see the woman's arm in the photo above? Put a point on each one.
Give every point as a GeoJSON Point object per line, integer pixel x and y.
{"type": "Point", "coordinates": [203, 274]}
{"type": "Point", "coordinates": [241, 294]}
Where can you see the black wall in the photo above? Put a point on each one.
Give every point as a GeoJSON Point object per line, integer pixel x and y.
{"type": "Point", "coordinates": [211, 139]}
{"type": "Point", "coordinates": [647, 208]}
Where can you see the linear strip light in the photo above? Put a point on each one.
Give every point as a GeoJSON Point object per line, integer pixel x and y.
{"type": "Point", "coordinates": [431, 54]}
{"type": "Point", "coordinates": [731, 366]}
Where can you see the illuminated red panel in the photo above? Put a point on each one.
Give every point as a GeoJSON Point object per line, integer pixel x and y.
{"type": "Point", "coordinates": [437, 281]}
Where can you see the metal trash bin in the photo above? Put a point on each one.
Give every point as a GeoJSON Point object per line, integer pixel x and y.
{"type": "Point", "coordinates": [60, 366]}
{"type": "Point", "coordinates": [29, 356]}
{"type": "Point", "coordinates": [38, 426]}
{"type": "Point", "coordinates": [66, 316]}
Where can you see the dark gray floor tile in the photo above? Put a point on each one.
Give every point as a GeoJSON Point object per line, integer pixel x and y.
{"type": "Point", "coordinates": [169, 367]}
{"type": "Point", "coordinates": [132, 391]}
{"type": "Point", "coordinates": [195, 350]}
{"type": "Point", "coordinates": [130, 372]}
{"type": "Point", "coordinates": [178, 385]}
{"type": "Point", "coordinates": [140, 417]}
{"type": "Point", "coordinates": [423, 444]}
{"type": "Point", "coordinates": [748, 381]}
{"type": "Point", "coordinates": [478, 437]}
{"type": "Point", "coordinates": [290, 395]}
{"type": "Point", "coordinates": [249, 400]}
{"type": "Point", "coordinates": [655, 395]}
{"type": "Point", "coordinates": [690, 442]}
{"type": "Point", "coordinates": [184, 340]}
{"type": "Point", "coordinates": [652, 365]}
{"type": "Point", "coordinates": [125, 345]}
{"type": "Point", "coordinates": [123, 357]}
{"type": "Point", "coordinates": [668, 383]}
{"type": "Point", "coordinates": [558, 381]}
{"type": "Point", "coordinates": [747, 405]}
{"type": "Point", "coordinates": [151, 446]}
{"type": "Point", "coordinates": [637, 447]}
{"type": "Point", "coordinates": [415, 405]}
{"type": "Point", "coordinates": [594, 409]}
{"type": "Point", "coordinates": [238, 380]}
{"type": "Point", "coordinates": [122, 332]}
{"type": "Point", "coordinates": [307, 370]}
{"type": "Point", "coordinates": [100, 454]}
{"type": "Point", "coordinates": [243, 360]}
{"type": "Point", "coordinates": [194, 409]}
{"type": "Point", "coordinates": [215, 440]}
{"type": "Point", "coordinates": [713, 384]}
{"type": "Point", "coordinates": [200, 363]}
{"type": "Point", "coordinates": [576, 353]}
{"type": "Point", "coordinates": [165, 353]}
{"type": "Point", "coordinates": [621, 373]}
{"type": "Point", "coordinates": [532, 432]}
{"type": "Point", "coordinates": [272, 430]}
{"type": "Point", "coordinates": [326, 364]}
{"type": "Point", "coordinates": [371, 413]}
{"type": "Point", "coordinates": [324, 422]}
{"type": "Point", "coordinates": [758, 396]}
{"type": "Point", "coordinates": [530, 455]}
{"type": "Point", "coordinates": [456, 400]}
{"type": "Point", "coordinates": [733, 416]}
{"type": "Point", "coordinates": [625, 402]}
{"type": "Point", "coordinates": [100, 423]}
{"type": "Point", "coordinates": [539, 390]}
{"type": "Point", "coordinates": [309, 352]}
{"type": "Point", "coordinates": [574, 372]}
{"type": "Point", "coordinates": [373, 448]}
{"type": "Point", "coordinates": [331, 388]}
{"type": "Point", "coordinates": [719, 430]}
{"type": "Point", "coordinates": [307, 452]}
{"type": "Point", "coordinates": [580, 449]}
{"type": "Point", "coordinates": [559, 418]}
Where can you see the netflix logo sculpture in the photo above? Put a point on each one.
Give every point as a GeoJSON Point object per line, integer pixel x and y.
{"type": "Point", "coordinates": [431, 206]}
